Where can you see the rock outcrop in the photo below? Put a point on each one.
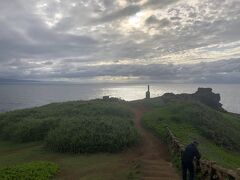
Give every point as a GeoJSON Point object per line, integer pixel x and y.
{"type": "Point", "coordinates": [204, 95]}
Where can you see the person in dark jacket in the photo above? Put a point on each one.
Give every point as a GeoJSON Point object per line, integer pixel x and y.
{"type": "Point", "coordinates": [188, 156]}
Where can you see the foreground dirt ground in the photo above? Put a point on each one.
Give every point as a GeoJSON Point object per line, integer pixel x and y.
{"type": "Point", "coordinates": [154, 156]}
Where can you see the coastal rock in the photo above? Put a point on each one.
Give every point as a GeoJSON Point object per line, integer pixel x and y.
{"type": "Point", "coordinates": [204, 95]}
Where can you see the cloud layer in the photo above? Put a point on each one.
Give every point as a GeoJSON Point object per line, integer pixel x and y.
{"type": "Point", "coordinates": [122, 40]}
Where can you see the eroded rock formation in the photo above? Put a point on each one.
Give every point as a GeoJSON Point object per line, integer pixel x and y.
{"type": "Point", "coordinates": [204, 95]}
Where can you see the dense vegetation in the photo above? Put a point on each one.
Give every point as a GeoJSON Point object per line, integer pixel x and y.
{"type": "Point", "coordinates": [80, 126]}
{"type": "Point", "coordinates": [92, 134]}
{"type": "Point", "coordinates": [30, 171]}
{"type": "Point", "coordinates": [218, 133]}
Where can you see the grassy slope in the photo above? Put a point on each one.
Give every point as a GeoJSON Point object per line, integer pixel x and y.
{"type": "Point", "coordinates": [102, 166]}
{"type": "Point", "coordinates": [99, 166]}
{"type": "Point", "coordinates": [33, 124]}
{"type": "Point", "coordinates": [178, 117]}
{"type": "Point", "coordinates": [80, 126]}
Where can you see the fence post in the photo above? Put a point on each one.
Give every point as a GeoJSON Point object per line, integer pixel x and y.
{"type": "Point", "coordinates": [212, 175]}
{"type": "Point", "coordinates": [238, 174]}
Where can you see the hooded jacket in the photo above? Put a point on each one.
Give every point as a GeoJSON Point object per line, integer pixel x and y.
{"type": "Point", "coordinates": [189, 153]}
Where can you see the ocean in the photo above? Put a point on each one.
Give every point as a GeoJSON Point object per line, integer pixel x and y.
{"type": "Point", "coordinates": [19, 96]}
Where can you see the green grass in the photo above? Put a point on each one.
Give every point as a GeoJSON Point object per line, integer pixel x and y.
{"type": "Point", "coordinates": [44, 133]}
{"type": "Point", "coordinates": [32, 171]}
{"type": "Point", "coordinates": [78, 126]}
{"type": "Point", "coordinates": [92, 134]}
{"type": "Point", "coordinates": [99, 166]}
{"type": "Point", "coordinates": [218, 133]}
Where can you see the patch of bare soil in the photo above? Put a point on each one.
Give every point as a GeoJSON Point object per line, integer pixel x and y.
{"type": "Point", "coordinates": [153, 154]}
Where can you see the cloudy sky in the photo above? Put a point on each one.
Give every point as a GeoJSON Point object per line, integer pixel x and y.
{"type": "Point", "coordinates": [121, 40]}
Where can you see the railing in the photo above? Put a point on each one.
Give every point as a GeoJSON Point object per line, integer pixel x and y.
{"type": "Point", "coordinates": [207, 170]}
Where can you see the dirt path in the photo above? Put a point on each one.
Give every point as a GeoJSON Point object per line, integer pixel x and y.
{"type": "Point", "coordinates": [154, 155]}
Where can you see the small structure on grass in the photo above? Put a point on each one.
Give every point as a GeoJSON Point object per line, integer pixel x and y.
{"type": "Point", "coordinates": [148, 93]}
{"type": "Point", "coordinates": [106, 97]}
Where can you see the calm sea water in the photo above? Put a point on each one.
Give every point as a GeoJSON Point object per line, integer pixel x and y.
{"type": "Point", "coordinates": [20, 96]}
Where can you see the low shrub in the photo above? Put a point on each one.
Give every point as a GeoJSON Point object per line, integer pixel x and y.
{"type": "Point", "coordinates": [92, 134]}
{"type": "Point", "coordinates": [33, 124]}
{"type": "Point", "coordinates": [30, 171]}
{"type": "Point", "coordinates": [29, 129]}
{"type": "Point", "coordinates": [77, 126]}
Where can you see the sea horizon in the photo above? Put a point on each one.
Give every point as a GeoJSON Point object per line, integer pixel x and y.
{"type": "Point", "coordinates": [26, 95]}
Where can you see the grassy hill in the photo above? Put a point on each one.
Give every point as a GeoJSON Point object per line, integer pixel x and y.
{"type": "Point", "coordinates": [80, 126]}
{"type": "Point", "coordinates": [63, 133]}
{"type": "Point", "coordinates": [217, 132]}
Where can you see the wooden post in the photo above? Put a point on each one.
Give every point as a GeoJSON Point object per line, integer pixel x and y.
{"type": "Point", "coordinates": [211, 172]}
{"type": "Point", "coordinates": [238, 174]}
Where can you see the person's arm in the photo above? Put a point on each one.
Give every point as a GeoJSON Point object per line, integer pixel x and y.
{"type": "Point", "coordinates": [197, 154]}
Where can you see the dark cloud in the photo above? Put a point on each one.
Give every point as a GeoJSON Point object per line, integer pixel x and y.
{"type": "Point", "coordinates": [164, 22]}
{"type": "Point", "coordinates": [223, 71]}
{"type": "Point", "coordinates": [23, 35]}
{"type": "Point", "coordinates": [125, 12]}
{"type": "Point", "coordinates": [152, 20]}
{"type": "Point", "coordinates": [159, 3]}
{"type": "Point", "coordinates": [69, 39]}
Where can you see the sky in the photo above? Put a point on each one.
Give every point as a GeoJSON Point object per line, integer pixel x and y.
{"type": "Point", "coordinates": [179, 41]}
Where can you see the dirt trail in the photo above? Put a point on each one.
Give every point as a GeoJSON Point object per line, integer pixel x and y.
{"type": "Point", "coordinates": [154, 155]}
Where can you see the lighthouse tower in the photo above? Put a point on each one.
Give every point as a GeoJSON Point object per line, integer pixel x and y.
{"type": "Point", "coordinates": [148, 93]}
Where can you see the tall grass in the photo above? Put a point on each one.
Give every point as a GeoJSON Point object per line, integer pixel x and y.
{"type": "Point", "coordinates": [92, 134]}
{"type": "Point", "coordinates": [79, 126]}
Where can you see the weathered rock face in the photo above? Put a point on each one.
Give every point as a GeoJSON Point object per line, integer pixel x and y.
{"type": "Point", "coordinates": [206, 96]}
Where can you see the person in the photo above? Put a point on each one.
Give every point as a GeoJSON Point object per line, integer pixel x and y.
{"type": "Point", "coordinates": [188, 155]}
